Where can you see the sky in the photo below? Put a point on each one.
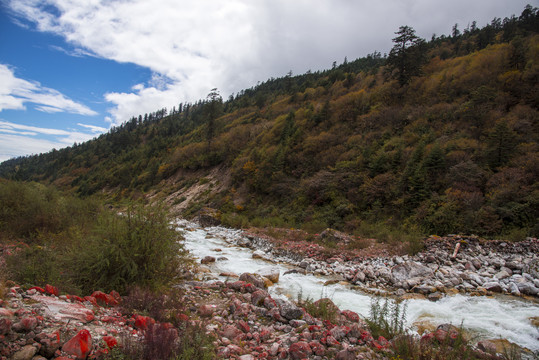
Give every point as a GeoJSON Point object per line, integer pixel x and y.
{"type": "Point", "coordinates": [71, 69]}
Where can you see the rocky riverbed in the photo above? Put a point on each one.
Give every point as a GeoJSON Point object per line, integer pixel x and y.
{"type": "Point", "coordinates": [446, 265]}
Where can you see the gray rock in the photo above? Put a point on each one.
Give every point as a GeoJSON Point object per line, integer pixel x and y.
{"type": "Point", "coordinates": [502, 275]}
{"type": "Point", "coordinates": [26, 353]}
{"type": "Point", "coordinates": [408, 270]}
{"type": "Point", "coordinates": [270, 272]}
{"type": "Point", "coordinates": [493, 286]}
{"type": "Point", "coordinates": [289, 310]}
{"type": "Point", "coordinates": [513, 289]}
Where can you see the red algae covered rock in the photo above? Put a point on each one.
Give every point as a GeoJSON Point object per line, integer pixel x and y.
{"type": "Point", "coordinates": [79, 345]}
{"type": "Point", "coordinates": [300, 350]}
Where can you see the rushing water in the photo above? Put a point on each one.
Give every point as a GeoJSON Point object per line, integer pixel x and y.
{"type": "Point", "coordinates": [501, 317]}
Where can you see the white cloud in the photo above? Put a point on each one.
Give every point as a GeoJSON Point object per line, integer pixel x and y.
{"type": "Point", "coordinates": [15, 92]}
{"type": "Point", "coordinates": [194, 46]}
{"type": "Point", "coordinates": [18, 139]}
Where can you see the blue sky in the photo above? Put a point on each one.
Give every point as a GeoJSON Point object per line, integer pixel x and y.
{"type": "Point", "coordinates": [71, 69]}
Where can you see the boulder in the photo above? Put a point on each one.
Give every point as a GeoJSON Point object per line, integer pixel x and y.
{"type": "Point", "coordinates": [493, 286]}
{"type": "Point", "coordinates": [532, 268]}
{"type": "Point", "coordinates": [207, 260]}
{"type": "Point", "coordinates": [26, 353]}
{"type": "Point", "coordinates": [79, 345]}
{"type": "Point", "coordinates": [254, 279]}
{"type": "Point", "coordinates": [332, 236]}
{"type": "Point", "coordinates": [5, 326]}
{"type": "Point", "coordinates": [300, 350]}
{"type": "Point", "coordinates": [209, 217]}
{"type": "Point", "coordinates": [408, 270]}
{"type": "Point", "coordinates": [288, 310]}
{"type": "Point", "coordinates": [270, 272]}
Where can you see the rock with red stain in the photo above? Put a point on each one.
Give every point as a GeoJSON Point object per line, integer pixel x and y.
{"type": "Point", "coordinates": [51, 290]}
{"type": "Point", "coordinates": [366, 336]}
{"type": "Point", "coordinates": [350, 315]}
{"type": "Point", "coordinates": [92, 300]}
{"type": "Point", "coordinates": [300, 350]}
{"type": "Point", "coordinates": [26, 324]}
{"type": "Point", "coordinates": [116, 296]}
{"type": "Point", "coordinates": [79, 345]}
{"type": "Point", "coordinates": [207, 310]}
{"type": "Point", "coordinates": [110, 341]}
{"type": "Point", "coordinates": [5, 326]}
{"type": "Point", "coordinates": [231, 332]}
{"type": "Point", "coordinates": [104, 299]}
{"type": "Point", "coordinates": [6, 312]}
{"type": "Point", "coordinates": [243, 326]}
{"type": "Point", "coordinates": [37, 288]}
{"type": "Point", "coordinates": [317, 348]}
{"type": "Point", "coordinates": [142, 322]}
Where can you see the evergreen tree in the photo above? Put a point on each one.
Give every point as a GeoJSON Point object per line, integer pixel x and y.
{"type": "Point", "coordinates": [407, 55]}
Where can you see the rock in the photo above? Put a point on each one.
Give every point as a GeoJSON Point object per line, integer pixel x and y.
{"type": "Point", "coordinates": [26, 324]}
{"type": "Point", "coordinates": [513, 289]}
{"type": "Point", "coordinates": [208, 217]}
{"type": "Point", "coordinates": [487, 346]}
{"type": "Point", "coordinates": [270, 272]}
{"type": "Point", "coordinates": [346, 354]}
{"type": "Point", "coordinates": [5, 326]}
{"type": "Point", "coordinates": [407, 270]}
{"type": "Point", "coordinates": [254, 279]}
{"type": "Point", "coordinates": [350, 315]}
{"type": "Point", "coordinates": [527, 288]}
{"type": "Point", "coordinates": [288, 310]}
{"type": "Point", "coordinates": [65, 311]}
{"type": "Point", "coordinates": [231, 332]}
{"type": "Point", "coordinates": [246, 357]}
{"type": "Point", "coordinates": [79, 345]}
{"type": "Point", "coordinates": [424, 326]}
{"type": "Point", "coordinates": [207, 310]}
{"type": "Point", "coordinates": [332, 236]}
{"type": "Point", "coordinates": [207, 260]}
{"type": "Point", "coordinates": [435, 296]}
{"type": "Point", "coordinates": [503, 274]}
{"type": "Point", "coordinates": [26, 353]}
{"type": "Point", "coordinates": [493, 286]}
{"type": "Point", "coordinates": [359, 276]}
{"type": "Point", "coordinates": [532, 268]}
{"type": "Point", "coordinates": [300, 350]}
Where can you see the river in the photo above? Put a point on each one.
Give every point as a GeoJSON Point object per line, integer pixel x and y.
{"type": "Point", "coordinates": [503, 317]}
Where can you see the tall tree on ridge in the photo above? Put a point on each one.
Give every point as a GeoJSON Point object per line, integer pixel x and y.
{"type": "Point", "coordinates": [407, 55]}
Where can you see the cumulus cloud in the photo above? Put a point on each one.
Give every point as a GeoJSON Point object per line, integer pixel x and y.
{"type": "Point", "coordinates": [194, 46]}
{"type": "Point", "coordinates": [15, 92]}
{"type": "Point", "coordinates": [18, 139]}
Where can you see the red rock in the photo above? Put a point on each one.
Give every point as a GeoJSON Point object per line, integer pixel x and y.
{"type": "Point", "coordinates": [300, 350]}
{"type": "Point", "coordinates": [116, 296]}
{"type": "Point", "coordinates": [6, 312]}
{"type": "Point", "coordinates": [231, 332]}
{"type": "Point", "coordinates": [51, 290]}
{"type": "Point", "coordinates": [317, 348]}
{"type": "Point", "coordinates": [350, 315]}
{"type": "Point", "coordinates": [427, 337]}
{"type": "Point", "coordinates": [207, 310]}
{"type": "Point", "coordinates": [142, 322]}
{"type": "Point", "coordinates": [5, 326]}
{"type": "Point", "coordinates": [79, 345]}
{"type": "Point", "coordinates": [104, 299]}
{"type": "Point", "coordinates": [91, 300]}
{"type": "Point", "coordinates": [243, 326]}
{"type": "Point", "coordinates": [110, 341]}
{"type": "Point", "coordinates": [26, 324]}
{"type": "Point", "coordinates": [366, 336]}
{"type": "Point", "coordinates": [37, 288]}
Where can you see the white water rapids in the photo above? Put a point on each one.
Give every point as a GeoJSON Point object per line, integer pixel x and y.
{"type": "Point", "coordinates": [486, 317]}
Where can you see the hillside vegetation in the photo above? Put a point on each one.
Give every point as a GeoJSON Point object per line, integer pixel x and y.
{"type": "Point", "coordinates": [439, 138]}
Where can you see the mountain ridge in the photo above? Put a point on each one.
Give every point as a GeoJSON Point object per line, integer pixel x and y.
{"type": "Point", "coordinates": [451, 149]}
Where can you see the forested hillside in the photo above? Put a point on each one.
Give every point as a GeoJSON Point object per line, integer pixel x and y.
{"type": "Point", "coordinates": [440, 136]}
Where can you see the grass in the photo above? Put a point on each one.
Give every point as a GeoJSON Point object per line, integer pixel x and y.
{"type": "Point", "coordinates": [387, 319]}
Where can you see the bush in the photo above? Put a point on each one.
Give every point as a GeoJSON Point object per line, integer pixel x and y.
{"type": "Point", "coordinates": [386, 320]}
{"type": "Point", "coordinates": [139, 247]}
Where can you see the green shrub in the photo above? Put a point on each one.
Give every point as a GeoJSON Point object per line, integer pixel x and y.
{"type": "Point", "coordinates": [386, 320]}
{"type": "Point", "coordinates": [139, 247]}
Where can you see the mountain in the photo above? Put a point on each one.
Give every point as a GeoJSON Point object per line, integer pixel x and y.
{"type": "Point", "coordinates": [441, 136]}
